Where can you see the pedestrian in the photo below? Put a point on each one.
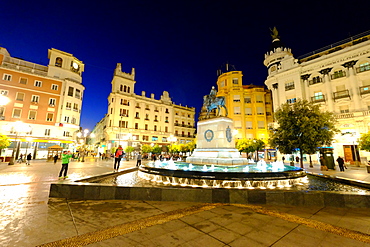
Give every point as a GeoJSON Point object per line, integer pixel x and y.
{"type": "Point", "coordinates": [139, 157]}
{"type": "Point", "coordinates": [29, 157]}
{"type": "Point", "coordinates": [283, 159]}
{"type": "Point", "coordinates": [297, 159]}
{"type": "Point", "coordinates": [65, 161]}
{"type": "Point", "coordinates": [117, 157]}
{"type": "Point", "coordinates": [20, 158]}
{"type": "Point", "coordinates": [340, 163]}
{"type": "Point", "coordinates": [55, 158]}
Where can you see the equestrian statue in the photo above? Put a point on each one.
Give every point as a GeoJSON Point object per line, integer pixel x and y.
{"type": "Point", "coordinates": [211, 102]}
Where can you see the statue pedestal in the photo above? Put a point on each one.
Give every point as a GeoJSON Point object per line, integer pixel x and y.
{"type": "Point", "coordinates": [215, 143]}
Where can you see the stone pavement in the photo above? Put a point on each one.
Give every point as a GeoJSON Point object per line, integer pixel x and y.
{"type": "Point", "coordinates": [30, 218]}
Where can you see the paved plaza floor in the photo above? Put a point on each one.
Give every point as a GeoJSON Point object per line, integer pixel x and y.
{"type": "Point", "coordinates": [30, 218]}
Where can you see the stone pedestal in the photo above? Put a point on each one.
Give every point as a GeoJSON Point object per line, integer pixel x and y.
{"type": "Point", "coordinates": [215, 143]}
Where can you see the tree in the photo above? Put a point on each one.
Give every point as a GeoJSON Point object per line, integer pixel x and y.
{"type": "Point", "coordinates": [303, 126]}
{"type": "Point", "coordinates": [174, 148]}
{"type": "Point", "coordinates": [146, 149]}
{"type": "Point", "coordinates": [364, 142]}
{"type": "Point", "coordinates": [245, 146]}
{"type": "Point", "coordinates": [4, 142]}
{"type": "Point", "coordinates": [258, 145]}
{"type": "Point", "coordinates": [191, 146]}
{"type": "Point", "coordinates": [156, 149]}
{"type": "Point", "coordinates": [128, 151]}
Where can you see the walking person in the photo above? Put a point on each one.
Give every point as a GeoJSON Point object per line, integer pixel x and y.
{"type": "Point", "coordinates": [55, 158]}
{"type": "Point", "coordinates": [20, 160]}
{"type": "Point", "coordinates": [117, 157]}
{"type": "Point", "coordinates": [29, 157]}
{"type": "Point", "coordinates": [340, 163]}
{"type": "Point", "coordinates": [139, 158]}
{"type": "Point", "coordinates": [65, 161]}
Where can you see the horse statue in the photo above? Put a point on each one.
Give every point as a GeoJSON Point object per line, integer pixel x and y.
{"type": "Point", "coordinates": [211, 103]}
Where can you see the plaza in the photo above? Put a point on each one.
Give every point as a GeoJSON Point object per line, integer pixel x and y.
{"type": "Point", "coordinates": [31, 218]}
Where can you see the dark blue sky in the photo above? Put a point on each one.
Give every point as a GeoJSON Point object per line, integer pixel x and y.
{"type": "Point", "coordinates": [175, 46]}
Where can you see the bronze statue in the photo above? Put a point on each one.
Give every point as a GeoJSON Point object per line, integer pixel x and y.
{"type": "Point", "coordinates": [211, 102]}
{"type": "Point", "coordinates": [275, 33]}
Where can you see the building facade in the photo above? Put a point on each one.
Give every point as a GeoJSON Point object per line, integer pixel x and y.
{"type": "Point", "coordinates": [336, 77]}
{"type": "Point", "coordinates": [250, 106]}
{"type": "Point", "coordinates": [136, 120]}
{"type": "Point", "coordinates": [45, 102]}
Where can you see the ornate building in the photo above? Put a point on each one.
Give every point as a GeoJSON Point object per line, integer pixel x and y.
{"type": "Point", "coordinates": [46, 99]}
{"type": "Point", "coordinates": [135, 120]}
{"type": "Point", "coordinates": [337, 77]}
{"type": "Point", "coordinates": [250, 106]}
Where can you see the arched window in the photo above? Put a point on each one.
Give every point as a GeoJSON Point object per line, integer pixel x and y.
{"type": "Point", "coordinates": [128, 89]}
{"type": "Point", "coordinates": [58, 62]}
{"type": "Point", "coordinates": [124, 89]}
{"type": "Point", "coordinates": [120, 88]}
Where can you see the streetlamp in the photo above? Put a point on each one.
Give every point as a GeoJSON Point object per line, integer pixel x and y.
{"type": "Point", "coordinates": [83, 135]}
{"type": "Point", "coordinates": [17, 127]}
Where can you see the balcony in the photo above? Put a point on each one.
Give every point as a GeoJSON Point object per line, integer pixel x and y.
{"type": "Point", "coordinates": [318, 98]}
{"type": "Point", "coordinates": [364, 90]}
{"type": "Point", "coordinates": [341, 94]}
{"type": "Point", "coordinates": [363, 68]}
{"type": "Point", "coordinates": [314, 81]}
{"type": "Point", "coordinates": [338, 74]}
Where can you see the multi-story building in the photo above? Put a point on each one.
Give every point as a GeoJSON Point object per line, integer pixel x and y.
{"type": "Point", "coordinates": [337, 77]}
{"type": "Point", "coordinates": [250, 106]}
{"type": "Point", "coordinates": [45, 102]}
{"type": "Point", "coordinates": [135, 120]}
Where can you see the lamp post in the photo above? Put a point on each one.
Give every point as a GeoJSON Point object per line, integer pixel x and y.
{"type": "Point", "coordinates": [83, 136]}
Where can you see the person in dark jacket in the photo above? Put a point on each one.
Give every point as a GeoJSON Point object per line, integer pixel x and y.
{"type": "Point", "coordinates": [340, 163]}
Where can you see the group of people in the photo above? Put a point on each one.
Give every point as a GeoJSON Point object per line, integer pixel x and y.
{"type": "Point", "coordinates": [25, 158]}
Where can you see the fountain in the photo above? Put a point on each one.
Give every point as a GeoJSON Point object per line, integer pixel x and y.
{"type": "Point", "coordinates": [216, 163]}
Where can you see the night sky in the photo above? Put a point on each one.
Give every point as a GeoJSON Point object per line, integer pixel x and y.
{"type": "Point", "coordinates": [174, 46]}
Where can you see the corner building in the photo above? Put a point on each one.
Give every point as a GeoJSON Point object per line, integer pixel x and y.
{"type": "Point", "coordinates": [136, 120]}
{"type": "Point", "coordinates": [336, 77]}
{"type": "Point", "coordinates": [250, 106]}
{"type": "Point", "coordinates": [47, 99]}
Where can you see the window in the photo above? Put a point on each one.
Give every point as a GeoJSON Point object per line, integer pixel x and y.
{"type": "Point", "coordinates": [291, 101]}
{"type": "Point", "coordinates": [146, 127]}
{"type": "Point", "coordinates": [344, 109]}
{"type": "Point", "coordinates": [259, 99]}
{"type": "Point", "coordinates": [122, 124]}
{"type": "Point", "coordinates": [248, 111]}
{"type": "Point", "coordinates": [247, 100]}
{"type": "Point", "coordinates": [120, 88]}
{"type": "Point", "coordinates": [125, 102]}
{"type": "Point", "coordinates": [47, 132]}
{"type": "Point", "coordinates": [166, 129]}
{"type": "Point", "coordinates": [68, 105]}
{"type": "Point", "coordinates": [52, 102]}
{"type": "Point", "coordinates": [58, 62]}
{"type": "Point", "coordinates": [235, 81]}
{"type": "Point", "coordinates": [146, 116]}
{"type": "Point", "coordinates": [137, 115]}
{"type": "Point", "coordinates": [155, 127]}
{"type": "Point", "coordinates": [23, 80]}
{"type": "Point", "coordinates": [66, 133]}
{"type": "Point", "coordinates": [123, 112]}
{"type": "Point", "coordinates": [364, 67]}
{"type": "Point", "coordinates": [236, 110]}
{"type": "Point", "coordinates": [338, 74]}
{"type": "Point", "coordinates": [35, 98]}
{"type": "Point", "coordinates": [70, 91]}
{"type": "Point", "coordinates": [7, 77]}
{"type": "Point", "coordinates": [32, 115]}
{"type": "Point", "coordinates": [2, 109]}
{"type": "Point", "coordinates": [260, 111]}
{"type": "Point", "coordinates": [156, 118]}
{"type": "Point", "coordinates": [136, 126]}
{"type": "Point", "coordinates": [54, 87]}
{"type": "Point", "coordinates": [145, 138]}
{"type": "Point", "coordinates": [66, 119]}
{"type": "Point", "coordinates": [17, 113]}
{"type": "Point", "coordinates": [236, 98]}
{"type": "Point", "coordinates": [166, 120]}
{"type": "Point", "coordinates": [78, 94]}
{"type": "Point", "coordinates": [222, 84]}
{"type": "Point", "coordinates": [248, 125]}
{"type": "Point", "coordinates": [49, 117]}
{"type": "Point", "coordinates": [261, 124]}
{"type": "Point", "coordinates": [73, 121]}
{"type": "Point", "coordinates": [4, 92]}
{"type": "Point", "coordinates": [154, 138]}
{"type": "Point", "coordinates": [38, 83]}
{"type": "Point", "coordinates": [75, 107]}
{"type": "Point", "coordinates": [289, 86]}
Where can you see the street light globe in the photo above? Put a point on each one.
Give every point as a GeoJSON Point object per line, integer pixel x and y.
{"type": "Point", "coordinates": [4, 100]}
